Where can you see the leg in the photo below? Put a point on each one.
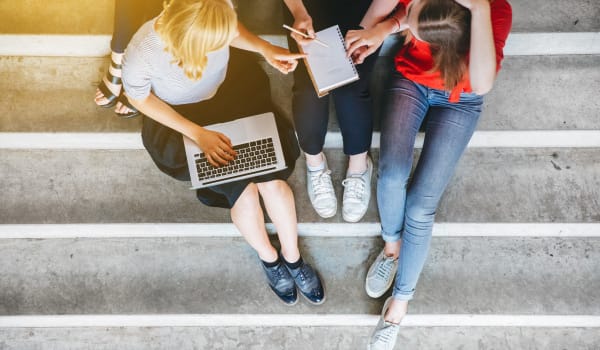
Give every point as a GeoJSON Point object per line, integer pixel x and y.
{"type": "Point", "coordinates": [404, 108]}
{"type": "Point", "coordinates": [355, 115]}
{"type": "Point", "coordinates": [448, 131]}
{"type": "Point", "coordinates": [128, 16]}
{"type": "Point", "coordinates": [279, 203]}
{"type": "Point", "coordinates": [247, 216]}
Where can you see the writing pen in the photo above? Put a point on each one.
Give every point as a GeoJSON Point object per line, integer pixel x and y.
{"type": "Point", "coordinates": [305, 35]}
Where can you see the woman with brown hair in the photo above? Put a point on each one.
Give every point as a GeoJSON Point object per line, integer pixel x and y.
{"type": "Point", "coordinates": [451, 57]}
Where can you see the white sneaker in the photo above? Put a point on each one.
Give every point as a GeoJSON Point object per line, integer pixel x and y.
{"type": "Point", "coordinates": [357, 193]}
{"type": "Point", "coordinates": [381, 275]}
{"type": "Point", "coordinates": [385, 334]}
{"type": "Point", "coordinates": [320, 191]}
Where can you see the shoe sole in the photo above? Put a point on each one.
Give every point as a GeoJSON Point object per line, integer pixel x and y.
{"type": "Point", "coordinates": [377, 295]}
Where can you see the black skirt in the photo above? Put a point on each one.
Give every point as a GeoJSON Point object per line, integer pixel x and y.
{"type": "Point", "coordinates": [245, 91]}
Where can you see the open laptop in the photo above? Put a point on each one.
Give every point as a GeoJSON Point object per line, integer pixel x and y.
{"type": "Point", "coordinates": [256, 141]}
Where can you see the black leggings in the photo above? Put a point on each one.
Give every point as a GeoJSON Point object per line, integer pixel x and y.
{"type": "Point", "coordinates": [353, 102]}
{"type": "Point", "coordinates": [129, 16]}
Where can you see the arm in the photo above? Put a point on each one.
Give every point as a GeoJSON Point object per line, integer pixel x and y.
{"type": "Point", "coordinates": [302, 21]}
{"type": "Point", "coordinates": [362, 43]}
{"type": "Point", "coordinates": [482, 52]}
{"type": "Point", "coordinates": [216, 146]}
{"type": "Point", "coordinates": [276, 56]}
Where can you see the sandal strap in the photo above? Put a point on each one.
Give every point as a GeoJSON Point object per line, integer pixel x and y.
{"type": "Point", "coordinates": [115, 65]}
{"type": "Point", "coordinates": [124, 100]}
{"type": "Point", "coordinates": [113, 79]}
{"type": "Point", "coordinates": [106, 92]}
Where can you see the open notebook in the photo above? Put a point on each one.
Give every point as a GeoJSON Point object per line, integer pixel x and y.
{"type": "Point", "coordinates": [329, 67]}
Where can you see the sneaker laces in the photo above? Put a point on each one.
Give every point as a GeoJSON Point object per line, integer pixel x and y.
{"type": "Point", "coordinates": [387, 333]}
{"type": "Point", "coordinates": [321, 181]}
{"type": "Point", "coordinates": [355, 188]}
{"type": "Point", "coordinates": [384, 268]}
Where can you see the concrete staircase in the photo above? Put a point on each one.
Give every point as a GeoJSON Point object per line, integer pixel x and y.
{"type": "Point", "coordinates": [99, 250]}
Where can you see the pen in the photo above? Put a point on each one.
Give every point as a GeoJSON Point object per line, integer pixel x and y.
{"type": "Point", "coordinates": [305, 35]}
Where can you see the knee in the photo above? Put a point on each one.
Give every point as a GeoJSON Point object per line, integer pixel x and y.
{"type": "Point", "coordinates": [392, 176]}
{"type": "Point", "coordinates": [273, 188]}
{"type": "Point", "coordinates": [420, 215]}
{"type": "Point", "coordinates": [248, 197]}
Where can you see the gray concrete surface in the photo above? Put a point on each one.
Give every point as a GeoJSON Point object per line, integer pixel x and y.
{"type": "Point", "coordinates": [348, 338]}
{"type": "Point", "coordinates": [531, 276]}
{"type": "Point", "coordinates": [490, 185]}
{"type": "Point", "coordinates": [264, 16]}
{"type": "Point", "coordinates": [42, 94]}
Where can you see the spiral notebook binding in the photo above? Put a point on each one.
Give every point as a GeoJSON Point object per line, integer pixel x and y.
{"type": "Point", "coordinates": [344, 42]}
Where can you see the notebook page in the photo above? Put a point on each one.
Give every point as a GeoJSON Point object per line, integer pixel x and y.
{"type": "Point", "coordinates": [328, 66]}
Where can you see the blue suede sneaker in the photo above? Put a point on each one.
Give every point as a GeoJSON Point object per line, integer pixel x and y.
{"type": "Point", "coordinates": [308, 282]}
{"type": "Point", "coordinates": [281, 283]}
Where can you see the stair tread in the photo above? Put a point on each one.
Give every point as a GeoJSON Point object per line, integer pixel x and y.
{"type": "Point", "coordinates": [522, 276]}
{"type": "Point", "coordinates": [94, 186]}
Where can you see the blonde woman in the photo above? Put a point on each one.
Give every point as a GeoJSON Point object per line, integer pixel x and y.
{"type": "Point", "coordinates": [175, 72]}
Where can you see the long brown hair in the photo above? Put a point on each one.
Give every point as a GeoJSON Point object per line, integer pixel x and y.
{"type": "Point", "coordinates": [446, 26]}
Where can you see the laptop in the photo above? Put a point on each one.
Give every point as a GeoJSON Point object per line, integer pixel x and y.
{"type": "Point", "coordinates": [256, 142]}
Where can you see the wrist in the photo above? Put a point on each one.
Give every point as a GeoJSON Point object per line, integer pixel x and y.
{"type": "Point", "coordinates": [480, 7]}
{"type": "Point", "coordinates": [389, 26]}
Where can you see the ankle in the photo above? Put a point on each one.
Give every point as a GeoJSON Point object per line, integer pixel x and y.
{"type": "Point", "coordinates": [269, 256]}
{"type": "Point", "coordinates": [315, 161]}
{"type": "Point", "coordinates": [396, 311]}
{"type": "Point", "coordinates": [357, 164]}
{"type": "Point", "coordinates": [116, 57]}
{"type": "Point", "coordinates": [392, 249]}
{"type": "Point", "coordinates": [290, 256]}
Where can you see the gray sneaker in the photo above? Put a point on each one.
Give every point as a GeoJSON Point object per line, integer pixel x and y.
{"type": "Point", "coordinates": [381, 275]}
{"type": "Point", "coordinates": [357, 193]}
{"type": "Point", "coordinates": [385, 334]}
{"type": "Point", "coordinates": [320, 191]}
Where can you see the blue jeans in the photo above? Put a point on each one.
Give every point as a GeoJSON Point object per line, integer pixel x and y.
{"type": "Point", "coordinates": [407, 208]}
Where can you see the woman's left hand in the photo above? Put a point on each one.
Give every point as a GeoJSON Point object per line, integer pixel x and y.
{"type": "Point", "coordinates": [282, 59]}
{"type": "Point", "coordinates": [362, 43]}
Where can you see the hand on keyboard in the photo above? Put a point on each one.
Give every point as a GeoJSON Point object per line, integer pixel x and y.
{"type": "Point", "coordinates": [216, 146]}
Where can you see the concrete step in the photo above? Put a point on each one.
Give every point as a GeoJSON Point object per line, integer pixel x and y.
{"type": "Point", "coordinates": [298, 338]}
{"type": "Point", "coordinates": [101, 186]}
{"type": "Point", "coordinates": [479, 275]}
{"type": "Point", "coordinates": [265, 16]}
{"type": "Point", "coordinates": [50, 94]}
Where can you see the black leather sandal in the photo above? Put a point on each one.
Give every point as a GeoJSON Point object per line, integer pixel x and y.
{"type": "Point", "coordinates": [112, 98]}
{"type": "Point", "coordinates": [134, 112]}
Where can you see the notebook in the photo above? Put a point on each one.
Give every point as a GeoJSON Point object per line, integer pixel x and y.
{"type": "Point", "coordinates": [256, 141]}
{"type": "Point", "coordinates": [329, 67]}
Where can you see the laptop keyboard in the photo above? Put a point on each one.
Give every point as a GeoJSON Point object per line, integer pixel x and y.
{"type": "Point", "coordinates": [252, 155]}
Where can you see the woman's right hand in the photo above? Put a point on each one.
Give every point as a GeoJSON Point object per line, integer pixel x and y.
{"type": "Point", "coordinates": [216, 146]}
{"type": "Point", "coordinates": [303, 24]}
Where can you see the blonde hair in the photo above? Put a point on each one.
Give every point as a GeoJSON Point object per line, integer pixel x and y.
{"type": "Point", "coordinates": [191, 29]}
